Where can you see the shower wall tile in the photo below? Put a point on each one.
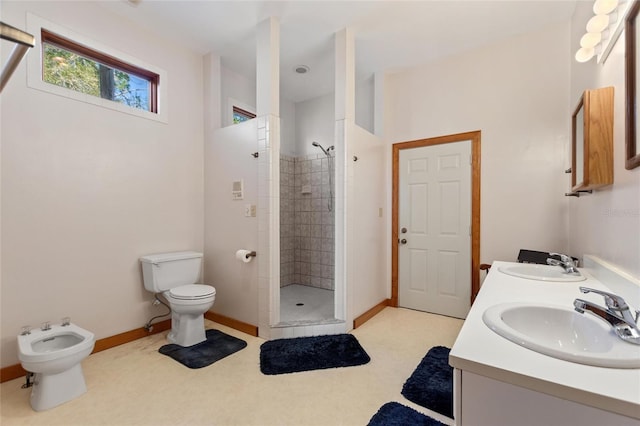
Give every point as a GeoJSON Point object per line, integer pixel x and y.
{"type": "Point", "coordinates": [306, 224]}
{"type": "Point", "coordinates": [287, 221]}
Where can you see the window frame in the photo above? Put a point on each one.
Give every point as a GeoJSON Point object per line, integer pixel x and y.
{"type": "Point", "coordinates": [35, 81]}
{"type": "Point", "coordinates": [57, 40]}
{"type": "Point", "coordinates": [234, 104]}
{"type": "Point", "coordinates": [237, 110]}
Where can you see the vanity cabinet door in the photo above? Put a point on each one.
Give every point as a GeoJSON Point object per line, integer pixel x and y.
{"type": "Point", "coordinates": [482, 401]}
{"type": "Point", "coordinates": [592, 140]}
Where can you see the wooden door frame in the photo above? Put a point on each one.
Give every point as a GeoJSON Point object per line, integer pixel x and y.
{"type": "Point", "coordinates": [474, 137]}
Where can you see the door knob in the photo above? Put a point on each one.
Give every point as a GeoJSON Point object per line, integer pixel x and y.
{"type": "Point", "coordinates": [403, 230]}
{"type": "Point", "coordinates": [403, 241]}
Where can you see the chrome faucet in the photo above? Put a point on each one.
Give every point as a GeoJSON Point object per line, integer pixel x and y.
{"type": "Point", "coordinates": [617, 314]}
{"type": "Point", "coordinates": [566, 262]}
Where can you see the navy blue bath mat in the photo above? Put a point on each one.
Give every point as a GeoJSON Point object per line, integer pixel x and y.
{"type": "Point", "coordinates": [431, 384]}
{"type": "Point", "coordinates": [311, 353]}
{"type": "Point", "coordinates": [395, 414]}
{"type": "Point", "coordinates": [217, 346]}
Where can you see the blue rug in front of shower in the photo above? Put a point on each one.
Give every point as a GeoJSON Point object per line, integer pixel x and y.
{"type": "Point", "coordinates": [284, 356]}
{"type": "Point", "coordinates": [395, 414]}
{"type": "Point", "coordinates": [431, 384]}
{"type": "Point", "coordinates": [217, 346]}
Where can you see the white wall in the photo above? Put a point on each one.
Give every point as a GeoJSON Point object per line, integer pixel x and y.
{"type": "Point", "coordinates": [227, 159]}
{"type": "Point", "coordinates": [238, 88]}
{"type": "Point", "coordinates": [287, 127]}
{"type": "Point", "coordinates": [86, 190]}
{"type": "Point", "coordinates": [315, 121]}
{"type": "Point", "coordinates": [367, 247]}
{"type": "Point", "coordinates": [607, 222]}
{"type": "Point", "coordinates": [365, 98]}
{"type": "Point", "coordinates": [516, 92]}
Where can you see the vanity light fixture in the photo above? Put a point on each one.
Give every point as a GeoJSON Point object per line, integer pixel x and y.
{"type": "Point", "coordinates": [590, 40]}
{"type": "Point", "coordinates": [584, 54]}
{"type": "Point", "coordinates": [602, 29]}
{"type": "Point", "coordinates": [604, 7]}
{"type": "Point", "coordinates": [598, 23]}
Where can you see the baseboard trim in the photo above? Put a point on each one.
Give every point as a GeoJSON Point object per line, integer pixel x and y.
{"type": "Point", "coordinates": [130, 336]}
{"type": "Point", "coordinates": [15, 371]}
{"type": "Point", "coordinates": [249, 329]}
{"type": "Point", "coordinates": [371, 313]}
{"type": "Point", "coordinates": [11, 372]}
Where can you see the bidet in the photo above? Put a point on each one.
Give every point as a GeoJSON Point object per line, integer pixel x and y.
{"type": "Point", "coordinates": [53, 353]}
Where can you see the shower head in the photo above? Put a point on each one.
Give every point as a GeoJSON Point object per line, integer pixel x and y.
{"type": "Point", "coordinates": [326, 151]}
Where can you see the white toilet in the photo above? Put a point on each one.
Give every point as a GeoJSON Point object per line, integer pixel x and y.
{"type": "Point", "coordinates": [54, 356]}
{"type": "Point", "coordinates": [175, 276]}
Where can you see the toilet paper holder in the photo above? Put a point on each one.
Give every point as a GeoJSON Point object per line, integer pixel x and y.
{"type": "Point", "coordinates": [251, 254]}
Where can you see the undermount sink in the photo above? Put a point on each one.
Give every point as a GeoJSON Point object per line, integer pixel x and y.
{"type": "Point", "coordinates": [562, 333]}
{"type": "Point", "coordinates": [533, 271]}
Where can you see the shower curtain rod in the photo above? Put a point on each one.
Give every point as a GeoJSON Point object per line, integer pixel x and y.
{"type": "Point", "coordinates": [24, 41]}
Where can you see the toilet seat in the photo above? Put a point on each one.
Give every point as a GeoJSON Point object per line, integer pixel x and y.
{"type": "Point", "coordinates": [192, 292]}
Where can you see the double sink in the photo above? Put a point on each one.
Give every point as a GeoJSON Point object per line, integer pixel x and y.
{"type": "Point", "coordinates": [558, 331]}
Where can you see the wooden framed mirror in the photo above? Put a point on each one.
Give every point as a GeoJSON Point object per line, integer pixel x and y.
{"type": "Point", "coordinates": [632, 159]}
{"type": "Point", "coordinates": [592, 140]}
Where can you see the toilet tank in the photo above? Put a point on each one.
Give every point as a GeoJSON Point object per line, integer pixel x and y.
{"type": "Point", "coordinates": [164, 271]}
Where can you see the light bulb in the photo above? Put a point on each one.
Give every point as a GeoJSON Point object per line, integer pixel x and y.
{"type": "Point", "coordinates": [604, 7]}
{"type": "Point", "coordinates": [590, 39]}
{"type": "Point", "coordinates": [584, 54]}
{"type": "Point", "coordinates": [598, 23]}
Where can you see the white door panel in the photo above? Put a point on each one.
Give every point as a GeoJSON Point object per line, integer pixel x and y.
{"type": "Point", "coordinates": [434, 270]}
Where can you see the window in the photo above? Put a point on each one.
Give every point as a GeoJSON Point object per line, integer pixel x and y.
{"type": "Point", "coordinates": [240, 115]}
{"type": "Point", "coordinates": [79, 68]}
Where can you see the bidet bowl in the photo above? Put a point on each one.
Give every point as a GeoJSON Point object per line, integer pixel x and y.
{"type": "Point", "coordinates": [55, 350]}
{"type": "Point", "coordinates": [562, 333]}
{"type": "Point", "coordinates": [532, 271]}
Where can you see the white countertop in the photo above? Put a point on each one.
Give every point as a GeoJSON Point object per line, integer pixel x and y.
{"type": "Point", "coordinates": [481, 351]}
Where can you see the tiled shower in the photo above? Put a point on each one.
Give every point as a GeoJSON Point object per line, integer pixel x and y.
{"type": "Point", "coordinates": [307, 224]}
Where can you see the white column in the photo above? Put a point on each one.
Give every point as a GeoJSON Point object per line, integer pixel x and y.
{"type": "Point", "coordinates": [345, 93]}
{"type": "Point", "coordinates": [345, 96]}
{"type": "Point", "coordinates": [268, 68]}
{"type": "Point", "coordinates": [268, 137]}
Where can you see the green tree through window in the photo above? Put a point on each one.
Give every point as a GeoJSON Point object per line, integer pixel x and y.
{"type": "Point", "coordinates": [240, 115]}
{"type": "Point", "coordinates": [65, 66]}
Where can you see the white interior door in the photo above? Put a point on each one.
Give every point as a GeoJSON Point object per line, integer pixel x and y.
{"type": "Point", "coordinates": [434, 253]}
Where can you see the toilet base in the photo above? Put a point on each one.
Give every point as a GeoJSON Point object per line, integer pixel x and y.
{"type": "Point", "coordinates": [187, 329]}
{"type": "Point", "coordinates": [51, 390]}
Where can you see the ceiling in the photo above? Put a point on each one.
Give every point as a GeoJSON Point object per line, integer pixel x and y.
{"type": "Point", "coordinates": [389, 34]}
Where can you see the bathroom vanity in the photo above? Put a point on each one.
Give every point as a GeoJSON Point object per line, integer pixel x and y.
{"type": "Point", "coordinates": [499, 382]}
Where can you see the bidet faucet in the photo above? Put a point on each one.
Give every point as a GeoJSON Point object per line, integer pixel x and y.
{"type": "Point", "coordinates": [617, 314]}
{"type": "Point", "coordinates": [566, 262]}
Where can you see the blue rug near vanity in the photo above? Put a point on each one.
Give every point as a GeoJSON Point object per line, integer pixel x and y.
{"type": "Point", "coordinates": [284, 356]}
{"type": "Point", "coordinates": [217, 346]}
{"type": "Point", "coordinates": [431, 384]}
{"type": "Point", "coordinates": [395, 414]}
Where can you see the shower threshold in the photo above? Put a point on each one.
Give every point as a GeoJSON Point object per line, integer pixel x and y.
{"type": "Point", "coordinates": [303, 323]}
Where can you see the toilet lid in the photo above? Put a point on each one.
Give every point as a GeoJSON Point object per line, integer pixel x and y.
{"type": "Point", "coordinates": [192, 291]}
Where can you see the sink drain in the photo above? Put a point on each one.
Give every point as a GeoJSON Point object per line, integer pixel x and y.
{"type": "Point", "coordinates": [299, 304]}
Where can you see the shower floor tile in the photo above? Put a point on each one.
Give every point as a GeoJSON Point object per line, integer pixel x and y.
{"type": "Point", "coordinates": [317, 303]}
